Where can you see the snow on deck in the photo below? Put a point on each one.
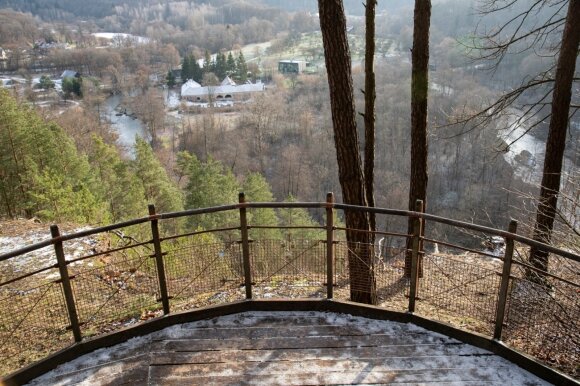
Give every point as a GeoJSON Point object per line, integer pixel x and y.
{"type": "Point", "coordinates": [290, 348]}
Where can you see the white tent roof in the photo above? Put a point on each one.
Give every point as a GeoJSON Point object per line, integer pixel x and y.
{"type": "Point", "coordinates": [220, 90]}
{"type": "Point", "coordinates": [188, 86]}
{"type": "Point", "coordinates": [228, 82]}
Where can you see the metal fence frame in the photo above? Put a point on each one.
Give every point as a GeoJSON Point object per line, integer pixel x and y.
{"type": "Point", "coordinates": [329, 228]}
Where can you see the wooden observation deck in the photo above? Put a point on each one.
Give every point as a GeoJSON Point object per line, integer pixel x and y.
{"type": "Point", "coordinates": [161, 304]}
{"type": "Point", "coordinates": [290, 348]}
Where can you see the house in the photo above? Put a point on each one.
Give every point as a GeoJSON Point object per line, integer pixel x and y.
{"type": "Point", "coordinates": [189, 88]}
{"type": "Point", "coordinates": [3, 59]}
{"type": "Point", "coordinates": [291, 66]}
{"type": "Point", "coordinates": [6, 83]}
{"type": "Point", "coordinates": [228, 90]}
{"type": "Point", "coordinates": [44, 47]}
{"type": "Point", "coordinates": [70, 74]}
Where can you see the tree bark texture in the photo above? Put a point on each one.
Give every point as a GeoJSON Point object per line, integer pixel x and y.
{"type": "Point", "coordinates": [338, 67]}
{"type": "Point", "coordinates": [419, 90]}
{"type": "Point", "coordinates": [369, 114]}
{"type": "Point", "coordinates": [556, 142]}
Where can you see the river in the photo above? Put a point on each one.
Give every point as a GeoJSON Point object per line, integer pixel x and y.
{"type": "Point", "coordinates": [526, 154]}
{"type": "Point", "coordinates": [127, 128]}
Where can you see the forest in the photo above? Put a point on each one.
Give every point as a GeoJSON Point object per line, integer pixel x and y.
{"type": "Point", "coordinates": [283, 141]}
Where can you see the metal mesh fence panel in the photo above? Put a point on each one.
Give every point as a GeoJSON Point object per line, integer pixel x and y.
{"type": "Point", "coordinates": [33, 322]}
{"type": "Point", "coordinates": [460, 290]}
{"type": "Point", "coordinates": [387, 269]}
{"type": "Point", "coordinates": [543, 314]}
{"type": "Point", "coordinates": [27, 263]}
{"type": "Point", "coordinates": [288, 269]}
{"type": "Point", "coordinates": [115, 282]}
{"type": "Point", "coordinates": [117, 288]}
{"type": "Point", "coordinates": [199, 274]}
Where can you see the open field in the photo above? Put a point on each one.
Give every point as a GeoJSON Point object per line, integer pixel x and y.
{"type": "Point", "coordinates": [308, 47]}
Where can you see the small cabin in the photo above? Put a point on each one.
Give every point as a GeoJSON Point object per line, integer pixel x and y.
{"type": "Point", "coordinates": [70, 74]}
{"type": "Point", "coordinates": [291, 66]}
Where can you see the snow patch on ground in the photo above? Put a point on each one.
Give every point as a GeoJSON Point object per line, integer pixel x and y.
{"type": "Point", "coordinates": [121, 37]}
{"type": "Point", "coordinates": [43, 257]}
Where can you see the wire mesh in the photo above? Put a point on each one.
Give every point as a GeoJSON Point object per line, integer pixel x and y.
{"type": "Point", "coordinates": [119, 287]}
{"type": "Point", "coordinates": [200, 273]}
{"type": "Point", "coordinates": [460, 290]}
{"type": "Point", "coordinates": [115, 283]}
{"type": "Point", "coordinates": [33, 322]}
{"type": "Point", "coordinates": [288, 269]}
{"type": "Point", "coordinates": [543, 313]}
{"type": "Point", "coordinates": [208, 222]}
{"type": "Point", "coordinates": [387, 268]}
{"type": "Point", "coordinates": [25, 264]}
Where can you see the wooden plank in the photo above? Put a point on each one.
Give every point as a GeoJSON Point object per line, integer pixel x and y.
{"type": "Point", "coordinates": [137, 376]}
{"type": "Point", "coordinates": [162, 376]}
{"type": "Point", "coordinates": [122, 352]}
{"type": "Point", "coordinates": [132, 368]}
{"type": "Point", "coordinates": [300, 355]}
{"type": "Point", "coordinates": [247, 320]}
{"type": "Point", "coordinates": [276, 332]}
{"type": "Point", "coordinates": [297, 343]}
{"type": "Point", "coordinates": [274, 366]}
{"type": "Point", "coordinates": [309, 380]}
{"type": "Point", "coordinates": [284, 318]}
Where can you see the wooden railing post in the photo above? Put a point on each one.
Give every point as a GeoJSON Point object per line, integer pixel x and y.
{"type": "Point", "coordinates": [505, 281]}
{"type": "Point", "coordinates": [329, 245]}
{"type": "Point", "coordinates": [245, 246]}
{"type": "Point", "coordinates": [415, 255]}
{"type": "Point", "coordinates": [159, 261]}
{"type": "Point", "coordinates": [66, 286]}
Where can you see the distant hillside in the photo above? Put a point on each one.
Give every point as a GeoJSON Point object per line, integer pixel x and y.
{"type": "Point", "coordinates": [66, 9]}
{"type": "Point", "coordinates": [71, 9]}
{"type": "Point", "coordinates": [353, 7]}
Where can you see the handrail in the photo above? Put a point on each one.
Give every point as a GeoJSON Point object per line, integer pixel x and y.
{"type": "Point", "coordinates": [71, 236]}
{"type": "Point", "coordinates": [243, 227]}
{"type": "Point", "coordinates": [28, 249]}
{"type": "Point", "coordinates": [103, 229]}
{"type": "Point", "coordinates": [274, 205]}
{"type": "Point", "coordinates": [466, 225]}
{"type": "Point", "coordinates": [191, 212]}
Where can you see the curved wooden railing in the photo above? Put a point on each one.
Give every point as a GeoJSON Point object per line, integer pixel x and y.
{"type": "Point", "coordinates": [145, 268]}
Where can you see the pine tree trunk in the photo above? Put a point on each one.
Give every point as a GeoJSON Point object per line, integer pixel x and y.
{"type": "Point", "coordinates": [419, 89]}
{"type": "Point", "coordinates": [338, 66]}
{"type": "Point", "coordinates": [556, 142]}
{"type": "Point", "coordinates": [369, 115]}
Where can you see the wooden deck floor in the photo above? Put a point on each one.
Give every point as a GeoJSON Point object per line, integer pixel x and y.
{"type": "Point", "coordinates": [290, 348]}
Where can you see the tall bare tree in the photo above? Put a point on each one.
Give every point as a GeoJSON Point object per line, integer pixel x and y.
{"type": "Point", "coordinates": [338, 66]}
{"type": "Point", "coordinates": [556, 142]}
{"type": "Point", "coordinates": [419, 90]}
{"type": "Point", "coordinates": [536, 26]}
